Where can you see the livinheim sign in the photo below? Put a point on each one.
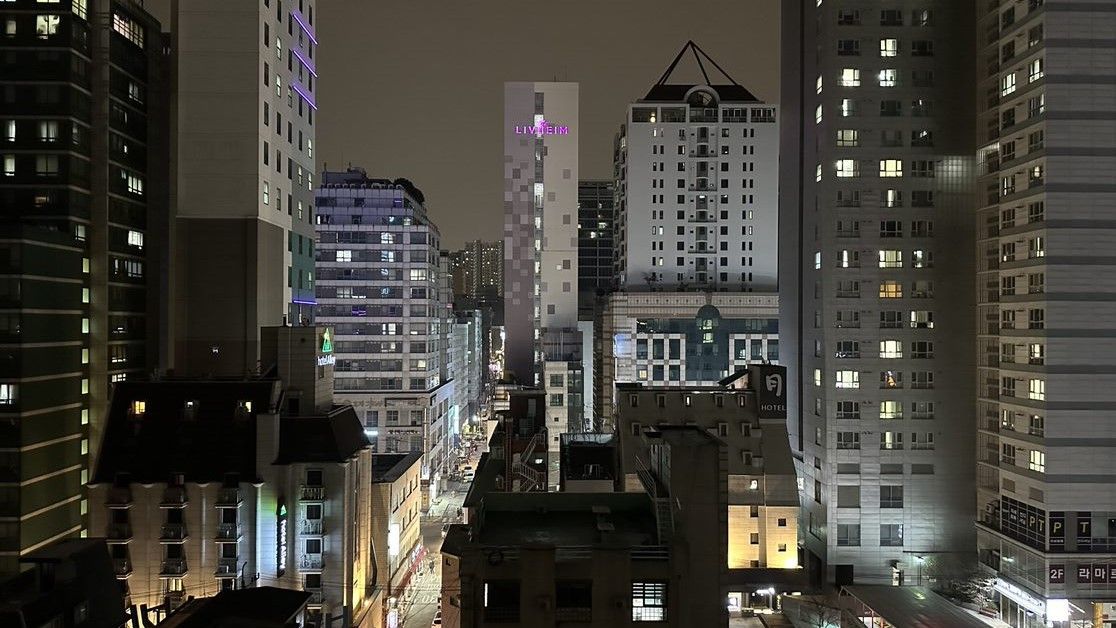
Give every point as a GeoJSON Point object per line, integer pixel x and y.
{"type": "Point", "coordinates": [541, 128]}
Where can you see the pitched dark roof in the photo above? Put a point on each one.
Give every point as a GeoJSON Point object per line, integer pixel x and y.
{"type": "Point", "coordinates": [212, 442]}
{"type": "Point", "coordinates": [335, 437]}
{"type": "Point", "coordinates": [258, 607]}
{"type": "Point", "coordinates": [728, 90]}
{"type": "Point", "coordinates": [389, 467]}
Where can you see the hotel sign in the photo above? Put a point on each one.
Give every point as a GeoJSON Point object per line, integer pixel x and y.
{"type": "Point", "coordinates": [327, 359]}
{"type": "Point", "coordinates": [541, 128]}
{"type": "Point", "coordinates": [281, 538]}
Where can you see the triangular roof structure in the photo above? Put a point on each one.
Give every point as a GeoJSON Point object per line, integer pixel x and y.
{"type": "Point", "coordinates": [726, 87]}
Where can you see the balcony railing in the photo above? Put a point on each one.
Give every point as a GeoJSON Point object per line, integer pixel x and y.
{"type": "Point", "coordinates": [312, 561]}
{"type": "Point", "coordinates": [574, 614]}
{"type": "Point", "coordinates": [173, 532]}
{"type": "Point", "coordinates": [228, 497]}
{"type": "Point", "coordinates": [229, 532]}
{"type": "Point", "coordinates": [310, 526]}
{"type": "Point", "coordinates": [312, 493]}
{"type": "Point", "coordinates": [174, 497]}
{"type": "Point", "coordinates": [173, 567]}
{"type": "Point", "coordinates": [226, 567]}
{"type": "Point", "coordinates": [122, 567]}
{"type": "Point", "coordinates": [119, 532]}
{"type": "Point", "coordinates": [119, 496]}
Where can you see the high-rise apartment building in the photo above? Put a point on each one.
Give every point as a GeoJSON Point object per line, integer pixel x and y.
{"type": "Point", "coordinates": [540, 219]}
{"type": "Point", "coordinates": [381, 285]}
{"type": "Point", "coordinates": [478, 271]}
{"type": "Point", "coordinates": [876, 298]}
{"type": "Point", "coordinates": [244, 111]}
{"type": "Point", "coordinates": [596, 223]}
{"type": "Point", "coordinates": [1046, 360]}
{"type": "Point", "coordinates": [83, 141]}
{"type": "Point", "coordinates": [697, 190]}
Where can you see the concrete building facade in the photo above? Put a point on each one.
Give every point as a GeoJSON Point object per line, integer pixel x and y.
{"type": "Point", "coordinates": [540, 220]}
{"type": "Point", "coordinates": [83, 152]}
{"type": "Point", "coordinates": [382, 284]}
{"type": "Point", "coordinates": [877, 296]}
{"type": "Point", "coordinates": [697, 189]}
{"type": "Point", "coordinates": [245, 103]}
{"type": "Point", "coordinates": [679, 339]}
{"type": "Point", "coordinates": [1045, 368]}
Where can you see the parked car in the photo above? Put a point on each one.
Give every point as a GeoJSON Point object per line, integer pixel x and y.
{"type": "Point", "coordinates": [437, 620]}
{"type": "Point", "coordinates": [445, 529]}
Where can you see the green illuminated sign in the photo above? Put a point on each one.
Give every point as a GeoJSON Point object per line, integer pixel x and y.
{"type": "Point", "coordinates": [327, 342]}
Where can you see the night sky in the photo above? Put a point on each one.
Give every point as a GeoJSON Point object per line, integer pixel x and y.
{"type": "Point", "coordinates": [414, 88]}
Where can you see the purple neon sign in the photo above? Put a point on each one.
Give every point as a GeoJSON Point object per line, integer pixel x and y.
{"type": "Point", "coordinates": [541, 128]}
{"type": "Point", "coordinates": [305, 26]}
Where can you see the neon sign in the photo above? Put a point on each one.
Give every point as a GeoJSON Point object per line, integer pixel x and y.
{"type": "Point", "coordinates": [541, 128]}
{"type": "Point", "coordinates": [327, 360]}
{"type": "Point", "coordinates": [327, 342]}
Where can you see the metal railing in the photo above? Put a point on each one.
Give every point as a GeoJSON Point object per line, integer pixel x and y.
{"type": "Point", "coordinates": [312, 493]}
{"type": "Point", "coordinates": [173, 532]}
{"type": "Point", "coordinates": [229, 531]}
{"type": "Point", "coordinates": [228, 497]}
{"type": "Point", "coordinates": [173, 567]}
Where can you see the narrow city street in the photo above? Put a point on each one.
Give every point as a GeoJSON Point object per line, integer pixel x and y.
{"type": "Point", "coordinates": [427, 588]}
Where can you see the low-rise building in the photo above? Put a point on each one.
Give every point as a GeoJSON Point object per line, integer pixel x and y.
{"type": "Point", "coordinates": [679, 339]}
{"type": "Point", "coordinates": [215, 485]}
{"type": "Point", "coordinates": [261, 607]}
{"type": "Point", "coordinates": [756, 494]}
{"type": "Point", "coordinates": [66, 583]}
{"type": "Point", "coordinates": [396, 530]}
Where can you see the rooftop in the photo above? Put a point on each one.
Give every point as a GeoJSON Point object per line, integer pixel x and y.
{"type": "Point", "coordinates": [912, 607]}
{"type": "Point", "coordinates": [335, 437]}
{"type": "Point", "coordinates": [727, 91]}
{"type": "Point", "coordinates": [256, 607]}
{"type": "Point", "coordinates": [567, 519]}
{"type": "Point", "coordinates": [391, 467]}
{"type": "Point", "coordinates": [205, 443]}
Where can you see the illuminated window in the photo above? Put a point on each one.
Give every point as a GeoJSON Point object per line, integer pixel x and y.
{"type": "Point", "coordinates": [850, 77]}
{"type": "Point", "coordinates": [343, 256]}
{"type": "Point", "coordinates": [888, 78]}
{"type": "Point", "coordinates": [1036, 389]}
{"type": "Point", "coordinates": [1007, 84]}
{"type": "Point", "coordinates": [891, 259]}
{"type": "Point", "coordinates": [846, 168]}
{"type": "Point", "coordinates": [891, 410]}
{"type": "Point", "coordinates": [139, 407]}
{"type": "Point", "coordinates": [889, 47]}
{"type": "Point", "coordinates": [891, 349]}
{"type": "Point", "coordinates": [848, 138]}
{"type": "Point", "coordinates": [1035, 70]}
{"type": "Point", "coordinates": [1037, 461]}
{"type": "Point", "coordinates": [847, 379]}
{"type": "Point", "coordinates": [129, 28]}
{"type": "Point", "coordinates": [649, 600]}
{"type": "Point", "coordinates": [891, 167]}
{"type": "Point", "coordinates": [891, 290]}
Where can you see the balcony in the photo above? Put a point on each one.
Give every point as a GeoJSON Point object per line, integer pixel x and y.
{"type": "Point", "coordinates": [229, 532]}
{"type": "Point", "coordinates": [172, 533]}
{"type": "Point", "coordinates": [312, 493]}
{"type": "Point", "coordinates": [310, 526]}
{"type": "Point", "coordinates": [229, 498]}
{"type": "Point", "coordinates": [317, 598]}
{"type": "Point", "coordinates": [226, 568]}
{"type": "Point", "coordinates": [119, 497]}
{"type": "Point", "coordinates": [573, 614]}
{"type": "Point", "coordinates": [173, 568]}
{"type": "Point", "coordinates": [173, 497]}
{"type": "Point", "coordinates": [119, 532]}
{"type": "Point", "coordinates": [311, 562]}
{"type": "Point", "coordinates": [703, 187]}
{"type": "Point", "coordinates": [122, 567]}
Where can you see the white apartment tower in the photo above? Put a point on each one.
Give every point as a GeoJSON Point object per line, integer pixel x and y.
{"type": "Point", "coordinates": [1045, 352]}
{"type": "Point", "coordinates": [877, 293]}
{"type": "Point", "coordinates": [697, 168]}
{"type": "Point", "coordinates": [245, 103]}
{"type": "Point", "coordinates": [382, 286]}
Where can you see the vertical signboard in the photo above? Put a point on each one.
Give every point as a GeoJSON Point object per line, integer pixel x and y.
{"type": "Point", "coordinates": [281, 538]}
